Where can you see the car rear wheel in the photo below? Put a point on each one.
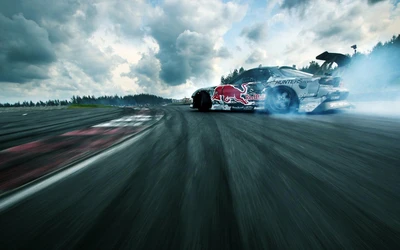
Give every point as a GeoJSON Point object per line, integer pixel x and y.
{"type": "Point", "coordinates": [281, 100]}
{"type": "Point", "coordinates": [205, 102]}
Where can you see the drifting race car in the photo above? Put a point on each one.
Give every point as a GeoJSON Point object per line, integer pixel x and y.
{"type": "Point", "coordinates": [279, 89]}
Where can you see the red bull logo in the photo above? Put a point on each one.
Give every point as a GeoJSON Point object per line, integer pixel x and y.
{"type": "Point", "coordinates": [256, 97]}
{"type": "Point", "coordinates": [227, 93]}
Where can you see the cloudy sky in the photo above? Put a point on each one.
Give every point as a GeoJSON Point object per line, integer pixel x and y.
{"type": "Point", "coordinates": [56, 49]}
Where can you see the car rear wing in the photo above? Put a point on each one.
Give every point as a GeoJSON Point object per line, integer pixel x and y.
{"type": "Point", "coordinates": [340, 59]}
{"type": "Point", "coordinates": [330, 58]}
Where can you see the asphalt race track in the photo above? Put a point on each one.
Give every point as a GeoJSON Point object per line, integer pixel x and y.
{"type": "Point", "coordinates": [24, 126]}
{"type": "Point", "coordinates": [223, 180]}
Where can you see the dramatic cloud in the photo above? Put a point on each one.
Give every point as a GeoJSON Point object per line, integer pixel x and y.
{"type": "Point", "coordinates": [56, 49]}
{"type": "Point", "coordinates": [338, 31]}
{"type": "Point", "coordinates": [256, 57]}
{"type": "Point", "coordinates": [375, 1]}
{"type": "Point", "coordinates": [337, 26]}
{"type": "Point", "coordinates": [350, 25]}
{"type": "Point", "coordinates": [303, 4]}
{"type": "Point", "coordinates": [223, 52]}
{"type": "Point", "coordinates": [126, 16]}
{"type": "Point", "coordinates": [91, 60]}
{"type": "Point", "coordinates": [186, 33]}
{"type": "Point", "coordinates": [25, 50]}
{"type": "Point", "coordinates": [40, 35]}
{"type": "Point", "coordinates": [255, 33]}
{"type": "Point", "coordinates": [146, 71]}
{"type": "Point", "coordinates": [290, 4]}
{"type": "Point", "coordinates": [148, 66]}
{"type": "Point", "coordinates": [56, 17]}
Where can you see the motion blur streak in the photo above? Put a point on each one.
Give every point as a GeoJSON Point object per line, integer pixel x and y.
{"type": "Point", "coordinates": [223, 180]}
{"type": "Point", "coordinates": [11, 200]}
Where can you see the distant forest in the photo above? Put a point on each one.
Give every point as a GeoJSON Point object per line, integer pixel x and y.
{"type": "Point", "coordinates": [129, 100]}
{"type": "Point", "coordinates": [380, 64]}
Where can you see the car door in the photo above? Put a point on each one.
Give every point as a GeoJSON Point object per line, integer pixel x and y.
{"type": "Point", "coordinates": [258, 80]}
{"type": "Point", "coordinates": [234, 93]}
{"type": "Point", "coordinates": [247, 88]}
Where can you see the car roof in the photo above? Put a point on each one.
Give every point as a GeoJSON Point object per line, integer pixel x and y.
{"type": "Point", "coordinates": [264, 67]}
{"type": "Point", "coordinates": [272, 67]}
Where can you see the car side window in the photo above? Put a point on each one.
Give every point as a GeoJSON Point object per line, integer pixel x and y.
{"type": "Point", "coordinates": [260, 75]}
{"type": "Point", "coordinates": [238, 81]}
{"type": "Point", "coordinates": [248, 76]}
{"type": "Point", "coordinates": [241, 78]}
{"type": "Point", "coordinates": [263, 75]}
{"type": "Point", "coordinates": [253, 75]}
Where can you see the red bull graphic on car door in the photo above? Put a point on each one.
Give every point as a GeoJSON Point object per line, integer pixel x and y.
{"type": "Point", "coordinates": [230, 94]}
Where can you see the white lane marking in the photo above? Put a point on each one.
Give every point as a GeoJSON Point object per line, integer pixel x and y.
{"type": "Point", "coordinates": [126, 121]}
{"type": "Point", "coordinates": [24, 193]}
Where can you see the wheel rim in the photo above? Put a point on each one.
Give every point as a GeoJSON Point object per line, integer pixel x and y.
{"type": "Point", "coordinates": [281, 101]}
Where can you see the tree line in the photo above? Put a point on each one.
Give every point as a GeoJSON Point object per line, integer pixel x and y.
{"type": "Point", "coordinates": [128, 100]}
{"type": "Point", "coordinates": [37, 104]}
{"type": "Point", "coordinates": [227, 79]}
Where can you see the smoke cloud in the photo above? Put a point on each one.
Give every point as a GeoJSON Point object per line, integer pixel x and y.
{"type": "Point", "coordinates": [374, 79]}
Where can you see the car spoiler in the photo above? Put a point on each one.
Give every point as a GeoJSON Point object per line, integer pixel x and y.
{"type": "Point", "coordinates": [339, 59]}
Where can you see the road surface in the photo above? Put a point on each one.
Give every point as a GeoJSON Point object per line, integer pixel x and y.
{"type": "Point", "coordinates": [224, 180]}
{"type": "Point", "coordinates": [27, 125]}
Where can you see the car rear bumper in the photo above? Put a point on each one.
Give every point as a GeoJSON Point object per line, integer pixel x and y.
{"type": "Point", "coordinates": [324, 106]}
{"type": "Point", "coordinates": [334, 105]}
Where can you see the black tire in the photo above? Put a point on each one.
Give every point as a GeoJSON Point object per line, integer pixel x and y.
{"type": "Point", "coordinates": [204, 102]}
{"type": "Point", "coordinates": [281, 100]}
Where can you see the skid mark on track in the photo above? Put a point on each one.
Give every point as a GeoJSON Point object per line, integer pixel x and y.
{"type": "Point", "coordinates": [148, 206]}
{"type": "Point", "coordinates": [20, 195]}
{"type": "Point", "coordinates": [207, 204]}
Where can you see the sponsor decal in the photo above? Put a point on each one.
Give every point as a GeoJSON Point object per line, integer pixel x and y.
{"type": "Point", "coordinates": [230, 94]}
{"type": "Point", "coordinates": [287, 82]}
{"type": "Point", "coordinates": [335, 97]}
{"type": "Point", "coordinates": [302, 83]}
{"type": "Point", "coordinates": [306, 95]}
{"type": "Point", "coordinates": [227, 93]}
{"type": "Point", "coordinates": [256, 97]}
{"type": "Point", "coordinates": [338, 104]}
{"type": "Point", "coordinates": [242, 108]}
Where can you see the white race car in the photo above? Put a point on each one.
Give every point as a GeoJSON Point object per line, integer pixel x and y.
{"type": "Point", "coordinates": [279, 90]}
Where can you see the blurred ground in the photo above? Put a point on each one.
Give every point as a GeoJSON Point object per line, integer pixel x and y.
{"type": "Point", "coordinates": [42, 154]}
{"type": "Point", "coordinates": [17, 109]}
{"type": "Point", "coordinates": [22, 125]}
{"type": "Point", "coordinates": [223, 180]}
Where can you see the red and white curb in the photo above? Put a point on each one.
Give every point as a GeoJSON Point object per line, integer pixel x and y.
{"type": "Point", "coordinates": [24, 163]}
{"type": "Point", "coordinates": [129, 121]}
